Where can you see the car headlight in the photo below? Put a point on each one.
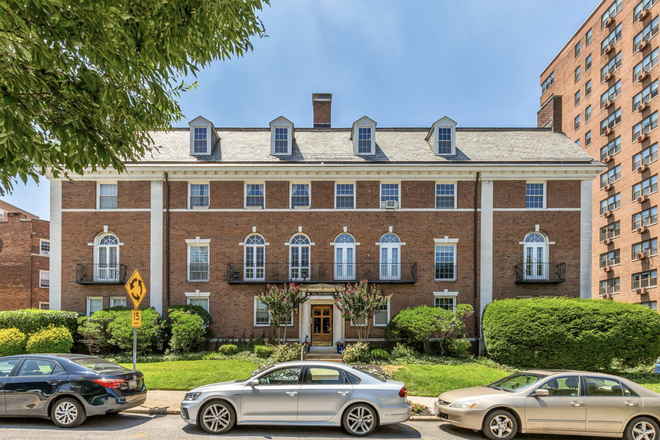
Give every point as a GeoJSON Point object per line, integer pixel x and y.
{"type": "Point", "coordinates": [465, 404]}
{"type": "Point", "coordinates": [189, 397]}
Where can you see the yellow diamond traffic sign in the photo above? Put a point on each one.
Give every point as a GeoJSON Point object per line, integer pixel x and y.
{"type": "Point", "coordinates": [136, 318]}
{"type": "Point", "coordinates": [136, 288]}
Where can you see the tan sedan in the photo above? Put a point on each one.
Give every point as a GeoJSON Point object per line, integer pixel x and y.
{"type": "Point", "coordinates": [560, 402]}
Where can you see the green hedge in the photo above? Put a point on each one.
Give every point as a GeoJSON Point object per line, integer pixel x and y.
{"type": "Point", "coordinates": [30, 321]}
{"type": "Point", "coordinates": [50, 340]}
{"type": "Point", "coordinates": [571, 333]}
{"type": "Point", "coordinates": [187, 331]}
{"type": "Point", "coordinates": [12, 341]}
{"type": "Point", "coordinates": [197, 310]}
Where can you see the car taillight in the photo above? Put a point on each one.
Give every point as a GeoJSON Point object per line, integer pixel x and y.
{"type": "Point", "coordinates": [109, 383]}
{"type": "Point", "coordinates": [403, 392]}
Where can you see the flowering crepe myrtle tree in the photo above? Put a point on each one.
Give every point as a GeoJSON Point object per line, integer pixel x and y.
{"type": "Point", "coordinates": [358, 302]}
{"type": "Point", "coordinates": [281, 304]}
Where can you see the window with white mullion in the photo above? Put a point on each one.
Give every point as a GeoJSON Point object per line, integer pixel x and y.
{"type": "Point", "coordinates": [199, 195]}
{"type": "Point", "coordinates": [610, 176]}
{"type": "Point", "coordinates": [390, 257]}
{"type": "Point", "coordinates": [255, 258]}
{"type": "Point", "coordinates": [198, 262]}
{"type": "Point", "coordinates": [648, 63]}
{"type": "Point", "coordinates": [444, 140]}
{"type": "Point", "coordinates": [642, 6]}
{"type": "Point", "coordinates": [445, 262]}
{"type": "Point", "coordinates": [610, 204]}
{"type": "Point", "coordinates": [445, 196]}
{"type": "Point", "coordinates": [535, 196]}
{"type": "Point", "coordinates": [649, 123]}
{"type": "Point", "coordinates": [646, 156]}
{"type": "Point", "coordinates": [611, 94]}
{"type": "Point", "coordinates": [382, 315]}
{"type": "Point", "coordinates": [107, 195]}
{"type": "Point", "coordinates": [281, 140]}
{"type": "Point", "coordinates": [613, 147]}
{"type": "Point", "coordinates": [44, 247]}
{"type": "Point", "coordinates": [345, 196]}
{"type": "Point", "coordinates": [299, 258]}
{"type": "Point", "coordinates": [200, 144]}
{"type": "Point", "coordinates": [649, 247]}
{"type": "Point", "coordinates": [645, 187]}
{"type": "Point", "coordinates": [445, 302]}
{"type": "Point", "coordinates": [365, 139]}
{"type": "Point", "coordinates": [344, 257]}
{"type": "Point", "coordinates": [389, 192]}
{"type": "Point", "coordinates": [300, 195]}
{"type": "Point", "coordinates": [610, 286]}
{"type": "Point", "coordinates": [647, 94]}
{"type": "Point", "coordinates": [254, 196]}
{"type": "Point", "coordinates": [650, 31]}
{"type": "Point", "coordinates": [44, 279]}
{"type": "Point", "coordinates": [645, 218]}
{"type": "Point", "coordinates": [611, 67]}
{"type": "Point", "coordinates": [261, 316]}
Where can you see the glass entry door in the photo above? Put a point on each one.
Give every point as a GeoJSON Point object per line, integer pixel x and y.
{"type": "Point", "coordinates": [322, 325]}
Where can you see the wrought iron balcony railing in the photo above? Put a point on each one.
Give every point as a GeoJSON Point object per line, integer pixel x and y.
{"type": "Point", "coordinates": [332, 273]}
{"type": "Point", "coordinates": [100, 273]}
{"type": "Point", "coordinates": [540, 273]}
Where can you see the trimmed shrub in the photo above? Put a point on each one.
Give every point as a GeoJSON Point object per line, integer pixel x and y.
{"type": "Point", "coordinates": [30, 321]}
{"type": "Point", "coordinates": [263, 351]}
{"type": "Point", "coordinates": [403, 351]}
{"type": "Point", "coordinates": [197, 310]}
{"type": "Point", "coordinates": [228, 349]}
{"type": "Point", "coordinates": [285, 353]}
{"type": "Point", "coordinates": [120, 332]}
{"type": "Point", "coordinates": [459, 347]}
{"type": "Point", "coordinates": [357, 353]}
{"type": "Point", "coordinates": [187, 330]}
{"type": "Point", "coordinates": [579, 334]}
{"type": "Point", "coordinates": [92, 335]}
{"type": "Point", "coordinates": [50, 340]}
{"type": "Point", "coordinates": [12, 341]}
{"type": "Point", "coordinates": [379, 354]}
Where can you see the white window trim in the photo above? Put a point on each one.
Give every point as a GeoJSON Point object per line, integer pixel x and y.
{"type": "Point", "coordinates": [281, 122]}
{"type": "Point", "coordinates": [114, 298]}
{"type": "Point", "coordinates": [309, 185]}
{"type": "Point", "coordinates": [41, 272]}
{"type": "Point", "coordinates": [245, 247]}
{"type": "Point", "coordinates": [87, 303]}
{"type": "Point", "coordinates": [435, 195]}
{"type": "Point", "coordinates": [256, 208]}
{"type": "Point", "coordinates": [203, 182]}
{"type": "Point", "coordinates": [254, 319]}
{"type": "Point", "coordinates": [380, 193]}
{"type": "Point", "coordinates": [449, 242]}
{"type": "Point", "coordinates": [208, 140]}
{"type": "Point", "coordinates": [436, 130]}
{"type": "Point", "coordinates": [545, 194]}
{"type": "Point", "coordinates": [446, 294]}
{"type": "Point", "coordinates": [42, 303]}
{"type": "Point", "coordinates": [354, 195]}
{"type": "Point", "coordinates": [389, 315]}
{"type": "Point", "coordinates": [98, 193]}
{"type": "Point", "coordinates": [198, 242]}
{"type": "Point", "coordinates": [288, 243]}
{"type": "Point", "coordinates": [199, 295]}
{"type": "Point", "coordinates": [41, 240]}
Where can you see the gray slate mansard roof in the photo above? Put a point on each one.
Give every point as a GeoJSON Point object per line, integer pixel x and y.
{"type": "Point", "coordinates": [400, 145]}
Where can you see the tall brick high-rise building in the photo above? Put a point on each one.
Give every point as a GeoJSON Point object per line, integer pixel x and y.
{"type": "Point", "coordinates": [24, 259]}
{"type": "Point", "coordinates": [601, 90]}
{"type": "Point", "coordinates": [437, 215]}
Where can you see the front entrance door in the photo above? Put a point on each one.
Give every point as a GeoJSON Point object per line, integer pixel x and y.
{"type": "Point", "coordinates": [322, 325]}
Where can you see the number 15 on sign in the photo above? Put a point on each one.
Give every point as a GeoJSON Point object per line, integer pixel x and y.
{"type": "Point", "coordinates": [136, 318]}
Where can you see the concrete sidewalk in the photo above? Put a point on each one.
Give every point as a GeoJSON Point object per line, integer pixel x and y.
{"type": "Point", "coordinates": [168, 402]}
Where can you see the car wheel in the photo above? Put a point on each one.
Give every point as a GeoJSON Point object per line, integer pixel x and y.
{"type": "Point", "coordinates": [643, 428]}
{"type": "Point", "coordinates": [217, 417]}
{"type": "Point", "coordinates": [500, 425]}
{"type": "Point", "coordinates": [360, 420]}
{"type": "Point", "coordinates": [67, 413]}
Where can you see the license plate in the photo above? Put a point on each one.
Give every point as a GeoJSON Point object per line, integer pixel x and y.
{"type": "Point", "coordinates": [444, 416]}
{"type": "Point", "coordinates": [132, 384]}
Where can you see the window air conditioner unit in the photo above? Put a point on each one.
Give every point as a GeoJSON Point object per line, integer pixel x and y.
{"type": "Point", "coordinates": [608, 159]}
{"type": "Point", "coordinates": [608, 187]}
{"type": "Point", "coordinates": [608, 213]}
{"type": "Point", "coordinates": [641, 255]}
{"type": "Point", "coordinates": [610, 21]}
{"type": "Point", "coordinates": [643, 106]}
{"type": "Point", "coordinates": [642, 137]}
{"type": "Point", "coordinates": [645, 13]}
{"type": "Point", "coordinates": [608, 131]}
{"type": "Point", "coordinates": [607, 269]}
{"type": "Point", "coordinates": [642, 229]}
{"type": "Point", "coordinates": [642, 76]}
{"type": "Point", "coordinates": [391, 204]}
{"type": "Point", "coordinates": [608, 241]}
{"type": "Point", "coordinates": [642, 199]}
{"type": "Point", "coordinates": [608, 77]}
{"type": "Point", "coordinates": [641, 291]}
{"type": "Point", "coordinates": [642, 168]}
{"type": "Point", "coordinates": [643, 45]}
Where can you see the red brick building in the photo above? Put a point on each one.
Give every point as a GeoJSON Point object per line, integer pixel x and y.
{"type": "Point", "coordinates": [600, 90]}
{"type": "Point", "coordinates": [438, 215]}
{"type": "Point", "coordinates": [24, 250]}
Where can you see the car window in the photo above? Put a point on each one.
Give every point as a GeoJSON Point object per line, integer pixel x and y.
{"type": "Point", "coordinates": [6, 366]}
{"type": "Point", "coordinates": [604, 387]}
{"type": "Point", "coordinates": [98, 365]}
{"type": "Point", "coordinates": [568, 386]}
{"type": "Point", "coordinates": [516, 382]}
{"type": "Point", "coordinates": [39, 367]}
{"type": "Point", "coordinates": [284, 376]}
{"type": "Point", "coordinates": [353, 379]}
{"type": "Point", "coordinates": [325, 376]}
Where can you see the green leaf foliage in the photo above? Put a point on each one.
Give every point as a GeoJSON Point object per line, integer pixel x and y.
{"type": "Point", "coordinates": [263, 351]}
{"type": "Point", "coordinates": [228, 349]}
{"type": "Point", "coordinates": [83, 82]}
{"type": "Point", "coordinates": [198, 310]}
{"type": "Point", "coordinates": [567, 333]}
{"type": "Point", "coordinates": [357, 353]}
{"type": "Point", "coordinates": [30, 321]}
{"type": "Point", "coordinates": [12, 341]}
{"type": "Point", "coordinates": [282, 303]}
{"type": "Point", "coordinates": [120, 332]}
{"type": "Point", "coordinates": [357, 303]}
{"type": "Point", "coordinates": [187, 331]}
{"type": "Point", "coordinates": [50, 340]}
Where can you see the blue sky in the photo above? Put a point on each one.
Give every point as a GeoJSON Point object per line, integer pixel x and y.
{"type": "Point", "coordinates": [402, 63]}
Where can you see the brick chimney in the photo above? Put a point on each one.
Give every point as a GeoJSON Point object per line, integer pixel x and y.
{"type": "Point", "coordinates": [322, 103]}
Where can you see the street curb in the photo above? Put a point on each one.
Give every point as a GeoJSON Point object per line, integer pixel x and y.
{"type": "Point", "coordinates": [163, 411]}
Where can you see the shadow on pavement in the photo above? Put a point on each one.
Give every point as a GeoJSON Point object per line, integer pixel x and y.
{"type": "Point", "coordinates": [111, 422]}
{"type": "Point", "coordinates": [270, 432]}
{"type": "Point", "coordinates": [461, 433]}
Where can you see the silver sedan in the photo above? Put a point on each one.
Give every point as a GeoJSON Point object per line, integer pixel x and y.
{"type": "Point", "coordinates": [299, 393]}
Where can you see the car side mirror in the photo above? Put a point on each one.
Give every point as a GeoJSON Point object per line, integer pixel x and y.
{"type": "Point", "coordinates": [254, 382]}
{"type": "Point", "coordinates": [541, 393]}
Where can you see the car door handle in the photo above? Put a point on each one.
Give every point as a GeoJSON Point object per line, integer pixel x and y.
{"type": "Point", "coordinates": [292, 393]}
{"type": "Point", "coordinates": [630, 403]}
{"type": "Point", "coordinates": [54, 382]}
{"type": "Point", "coordinates": [576, 403]}
{"type": "Point", "coordinates": [343, 393]}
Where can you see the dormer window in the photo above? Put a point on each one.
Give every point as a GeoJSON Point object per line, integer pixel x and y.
{"type": "Point", "coordinates": [281, 137]}
{"type": "Point", "coordinates": [442, 137]}
{"type": "Point", "coordinates": [201, 140]}
{"type": "Point", "coordinates": [363, 136]}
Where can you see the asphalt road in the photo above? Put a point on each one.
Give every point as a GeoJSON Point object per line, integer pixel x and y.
{"type": "Point", "coordinates": [130, 426]}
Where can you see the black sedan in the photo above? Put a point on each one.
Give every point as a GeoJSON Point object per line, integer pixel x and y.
{"type": "Point", "coordinates": [66, 388]}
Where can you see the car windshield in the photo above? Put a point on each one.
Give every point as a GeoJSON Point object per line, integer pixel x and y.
{"type": "Point", "coordinates": [98, 365]}
{"type": "Point", "coordinates": [516, 382]}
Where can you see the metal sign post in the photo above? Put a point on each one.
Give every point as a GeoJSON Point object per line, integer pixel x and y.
{"type": "Point", "coordinates": [136, 290]}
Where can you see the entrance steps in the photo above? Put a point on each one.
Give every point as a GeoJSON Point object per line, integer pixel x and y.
{"type": "Point", "coordinates": [327, 354]}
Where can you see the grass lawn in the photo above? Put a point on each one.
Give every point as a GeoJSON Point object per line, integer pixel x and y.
{"type": "Point", "coordinates": [185, 375]}
{"type": "Point", "coordinates": [432, 380]}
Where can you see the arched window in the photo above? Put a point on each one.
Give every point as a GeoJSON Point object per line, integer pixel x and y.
{"type": "Point", "coordinates": [536, 256]}
{"type": "Point", "coordinates": [255, 258]}
{"type": "Point", "coordinates": [299, 250]}
{"type": "Point", "coordinates": [106, 258]}
{"type": "Point", "coordinates": [390, 257]}
{"type": "Point", "coordinates": [344, 257]}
